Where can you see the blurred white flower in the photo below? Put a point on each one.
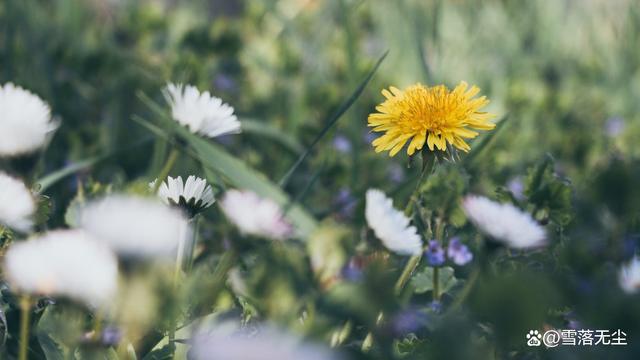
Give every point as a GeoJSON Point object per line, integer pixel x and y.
{"type": "Point", "coordinates": [17, 204]}
{"type": "Point", "coordinates": [25, 121]}
{"type": "Point", "coordinates": [63, 263]}
{"type": "Point", "coordinates": [390, 225]}
{"type": "Point", "coordinates": [254, 215]}
{"type": "Point", "coordinates": [135, 226]}
{"type": "Point", "coordinates": [266, 344]}
{"type": "Point", "coordinates": [504, 222]}
{"type": "Point", "coordinates": [194, 195]}
{"type": "Point", "coordinates": [629, 276]}
{"type": "Point", "coordinates": [201, 113]}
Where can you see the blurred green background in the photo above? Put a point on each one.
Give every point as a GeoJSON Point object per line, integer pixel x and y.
{"type": "Point", "coordinates": [565, 74]}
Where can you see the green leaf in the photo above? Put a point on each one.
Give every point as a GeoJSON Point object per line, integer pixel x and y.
{"type": "Point", "coordinates": [333, 120]}
{"type": "Point", "coordinates": [423, 281]}
{"type": "Point", "coordinates": [164, 353]}
{"type": "Point", "coordinates": [549, 192]}
{"type": "Point", "coordinates": [266, 130]}
{"type": "Point", "coordinates": [49, 347]}
{"type": "Point", "coordinates": [236, 171]}
{"type": "Point", "coordinates": [52, 178]}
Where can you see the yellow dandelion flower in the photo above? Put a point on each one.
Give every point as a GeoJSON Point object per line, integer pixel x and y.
{"type": "Point", "coordinates": [435, 115]}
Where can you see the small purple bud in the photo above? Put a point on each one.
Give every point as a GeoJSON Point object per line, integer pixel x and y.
{"type": "Point", "coordinates": [396, 173]}
{"type": "Point", "coordinates": [224, 82]}
{"type": "Point", "coordinates": [342, 144]}
{"type": "Point", "coordinates": [614, 126]}
{"type": "Point", "coordinates": [345, 202]}
{"type": "Point", "coordinates": [352, 271]}
{"type": "Point", "coordinates": [111, 336]}
{"type": "Point", "coordinates": [369, 136]}
{"type": "Point", "coordinates": [434, 254]}
{"type": "Point", "coordinates": [435, 306]}
{"type": "Point", "coordinates": [458, 252]}
{"type": "Point", "coordinates": [516, 187]}
{"type": "Point", "coordinates": [408, 321]}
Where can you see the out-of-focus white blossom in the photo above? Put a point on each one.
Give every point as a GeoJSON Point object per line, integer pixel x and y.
{"type": "Point", "coordinates": [266, 344]}
{"type": "Point", "coordinates": [135, 226]}
{"type": "Point", "coordinates": [25, 121]}
{"type": "Point", "coordinates": [629, 276]}
{"type": "Point", "coordinates": [255, 215]}
{"type": "Point", "coordinates": [17, 204]}
{"type": "Point", "coordinates": [201, 113]}
{"type": "Point", "coordinates": [504, 222]}
{"type": "Point", "coordinates": [65, 264]}
{"type": "Point", "coordinates": [390, 225]}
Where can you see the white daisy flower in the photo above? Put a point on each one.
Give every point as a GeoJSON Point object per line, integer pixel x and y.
{"type": "Point", "coordinates": [254, 215]}
{"type": "Point", "coordinates": [390, 225]}
{"type": "Point", "coordinates": [66, 264]}
{"type": "Point", "coordinates": [194, 195]}
{"type": "Point", "coordinates": [25, 121]}
{"type": "Point", "coordinates": [629, 276]}
{"type": "Point", "coordinates": [17, 204]}
{"type": "Point", "coordinates": [135, 226]}
{"type": "Point", "coordinates": [201, 113]}
{"type": "Point", "coordinates": [266, 344]}
{"type": "Point", "coordinates": [504, 222]}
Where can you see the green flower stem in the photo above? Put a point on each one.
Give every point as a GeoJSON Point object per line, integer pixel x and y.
{"type": "Point", "coordinates": [171, 160]}
{"type": "Point", "coordinates": [192, 247]}
{"type": "Point", "coordinates": [176, 280]}
{"type": "Point", "coordinates": [466, 290]}
{"type": "Point", "coordinates": [439, 235]}
{"type": "Point", "coordinates": [25, 322]}
{"type": "Point", "coordinates": [406, 273]}
{"type": "Point", "coordinates": [436, 284]}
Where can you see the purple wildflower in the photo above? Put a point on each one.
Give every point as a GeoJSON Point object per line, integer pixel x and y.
{"type": "Point", "coordinates": [458, 252]}
{"type": "Point", "coordinates": [434, 254]}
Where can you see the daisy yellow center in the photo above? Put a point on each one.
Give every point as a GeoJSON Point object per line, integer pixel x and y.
{"type": "Point", "coordinates": [434, 115]}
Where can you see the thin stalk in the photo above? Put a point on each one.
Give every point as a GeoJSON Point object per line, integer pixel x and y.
{"type": "Point", "coordinates": [406, 273]}
{"type": "Point", "coordinates": [466, 290]}
{"type": "Point", "coordinates": [171, 160]}
{"type": "Point", "coordinates": [192, 248]}
{"type": "Point", "coordinates": [436, 284]}
{"type": "Point", "coordinates": [25, 322]}
{"type": "Point", "coordinates": [408, 211]}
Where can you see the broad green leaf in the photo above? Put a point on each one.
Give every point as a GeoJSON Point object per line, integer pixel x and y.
{"type": "Point", "coordinates": [236, 171]}
{"type": "Point", "coordinates": [49, 347]}
{"type": "Point", "coordinates": [423, 281]}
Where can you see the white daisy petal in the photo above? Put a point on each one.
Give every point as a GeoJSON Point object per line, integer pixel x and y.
{"type": "Point", "coordinates": [63, 263]}
{"type": "Point", "coordinates": [134, 226]}
{"type": "Point", "coordinates": [195, 191]}
{"type": "Point", "coordinates": [25, 121]}
{"type": "Point", "coordinates": [254, 215]}
{"type": "Point", "coordinates": [201, 113]}
{"type": "Point", "coordinates": [17, 204]}
{"type": "Point", "coordinates": [504, 222]}
{"type": "Point", "coordinates": [629, 276]}
{"type": "Point", "coordinates": [390, 225]}
{"type": "Point", "coordinates": [267, 343]}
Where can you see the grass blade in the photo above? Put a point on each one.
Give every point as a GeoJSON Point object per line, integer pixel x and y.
{"type": "Point", "coordinates": [332, 121]}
